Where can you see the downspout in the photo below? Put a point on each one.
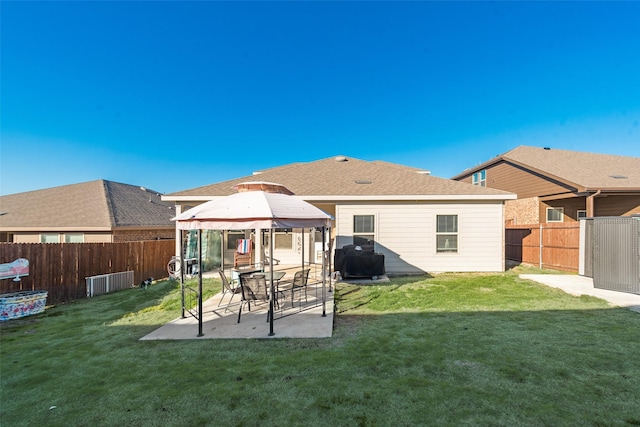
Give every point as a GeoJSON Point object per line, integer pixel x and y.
{"type": "Point", "coordinates": [590, 203]}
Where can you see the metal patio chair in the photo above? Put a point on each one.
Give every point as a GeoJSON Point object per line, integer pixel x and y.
{"type": "Point", "coordinates": [298, 284]}
{"type": "Point", "coordinates": [227, 287]}
{"type": "Point", "coordinates": [254, 290]}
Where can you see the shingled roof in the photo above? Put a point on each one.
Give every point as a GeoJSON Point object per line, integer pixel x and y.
{"type": "Point", "coordinates": [93, 205]}
{"type": "Point", "coordinates": [588, 171]}
{"type": "Point", "coordinates": [344, 177]}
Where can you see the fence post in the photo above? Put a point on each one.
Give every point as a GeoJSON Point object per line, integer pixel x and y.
{"type": "Point", "coordinates": [540, 244]}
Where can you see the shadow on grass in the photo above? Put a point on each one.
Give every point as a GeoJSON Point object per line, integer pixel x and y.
{"type": "Point", "coordinates": [149, 307]}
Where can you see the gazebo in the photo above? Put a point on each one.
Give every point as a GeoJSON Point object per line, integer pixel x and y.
{"type": "Point", "coordinates": [260, 206]}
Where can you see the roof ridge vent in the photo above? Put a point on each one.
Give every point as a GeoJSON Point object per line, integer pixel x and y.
{"type": "Point", "coordinates": [340, 159]}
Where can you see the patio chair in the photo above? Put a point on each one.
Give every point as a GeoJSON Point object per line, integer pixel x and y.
{"type": "Point", "coordinates": [298, 284]}
{"type": "Point", "coordinates": [226, 287]}
{"type": "Point", "coordinates": [242, 255]}
{"type": "Point", "coordinates": [254, 290]}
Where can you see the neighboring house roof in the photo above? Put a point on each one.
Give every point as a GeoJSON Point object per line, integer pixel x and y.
{"type": "Point", "coordinates": [586, 171]}
{"type": "Point", "coordinates": [344, 178]}
{"type": "Point", "coordinates": [94, 205]}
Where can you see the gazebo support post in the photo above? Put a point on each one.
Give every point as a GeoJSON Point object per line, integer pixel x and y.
{"type": "Point", "coordinates": [324, 274]}
{"type": "Point", "coordinates": [302, 247]}
{"type": "Point", "coordinates": [179, 262]}
{"type": "Point", "coordinates": [200, 283]}
{"type": "Point", "coordinates": [329, 251]}
{"type": "Point", "coordinates": [222, 252]}
{"type": "Point", "coordinates": [271, 333]}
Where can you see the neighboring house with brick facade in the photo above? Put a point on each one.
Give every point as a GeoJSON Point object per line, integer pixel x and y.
{"type": "Point", "coordinates": [420, 223]}
{"type": "Point", "coordinates": [95, 211]}
{"type": "Point", "coordinates": [560, 185]}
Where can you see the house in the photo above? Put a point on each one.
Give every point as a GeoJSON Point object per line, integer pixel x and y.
{"type": "Point", "coordinates": [560, 185]}
{"type": "Point", "coordinates": [95, 211]}
{"type": "Point", "coordinates": [421, 223]}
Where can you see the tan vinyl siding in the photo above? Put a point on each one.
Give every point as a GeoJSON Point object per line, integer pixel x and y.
{"type": "Point", "coordinates": [35, 237]}
{"type": "Point", "coordinates": [98, 238]}
{"type": "Point", "coordinates": [293, 255]}
{"type": "Point", "coordinates": [406, 235]}
{"type": "Point", "coordinates": [26, 237]}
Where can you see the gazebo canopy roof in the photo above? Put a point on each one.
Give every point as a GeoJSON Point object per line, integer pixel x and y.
{"type": "Point", "coordinates": [254, 209]}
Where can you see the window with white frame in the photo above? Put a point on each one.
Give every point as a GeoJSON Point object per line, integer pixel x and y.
{"type": "Point", "coordinates": [282, 238]}
{"type": "Point", "coordinates": [232, 239]}
{"type": "Point", "coordinates": [50, 238]}
{"type": "Point", "coordinates": [363, 230]}
{"type": "Point", "coordinates": [74, 238]}
{"type": "Point", "coordinates": [480, 178]}
{"type": "Point", "coordinates": [555, 214]}
{"type": "Point", "coordinates": [447, 233]}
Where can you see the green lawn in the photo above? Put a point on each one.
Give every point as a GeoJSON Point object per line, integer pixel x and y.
{"type": "Point", "coordinates": [454, 349]}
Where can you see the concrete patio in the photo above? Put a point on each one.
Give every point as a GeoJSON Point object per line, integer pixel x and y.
{"type": "Point", "coordinates": [580, 285]}
{"type": "Point", "coordinates": [304, 320]}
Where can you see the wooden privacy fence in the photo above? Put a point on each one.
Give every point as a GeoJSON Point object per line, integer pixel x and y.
{"type": "Point", "coordinates": [61, 268]}
{"type": "Point", "coordinates": [551, 245]}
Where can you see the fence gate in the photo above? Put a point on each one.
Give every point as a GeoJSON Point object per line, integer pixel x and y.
{"type": "Point", "coordinates": [616, 253]}
{"type": "Point", "coordinates": [585, 265]}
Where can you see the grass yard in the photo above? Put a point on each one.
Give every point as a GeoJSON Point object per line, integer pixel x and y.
{"type": "Point", "coordinates": [454, 349]}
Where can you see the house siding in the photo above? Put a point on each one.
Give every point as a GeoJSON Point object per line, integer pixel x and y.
{"type": "Point", "coordinates": [515, 179]}
{"type": "Point", "coordinates": [529, 186]}
{"type": "Point", "coordinates": [97, 237]}
{"type": "Point", "coordinates": [610, 205]}
{"type": "Point", "coordinates": [405, 234]}
{"type": "Point", "coordinates": [293, 255]}
{"type": "Point", "coordinates": [35, 237]}
{"type": "Point", "coordinates": [571, 207]}
{"type": "Point", "coordinates": [617, 205]}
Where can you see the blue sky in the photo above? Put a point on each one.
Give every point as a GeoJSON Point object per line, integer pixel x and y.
{"type": "Point", "coordinates": [175, 95]}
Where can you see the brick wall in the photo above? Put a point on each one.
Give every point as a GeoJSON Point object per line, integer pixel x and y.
{"type": "Point", "coordinates": [137, 235]}
{"type": "Point", "coordinates": [522, 211]}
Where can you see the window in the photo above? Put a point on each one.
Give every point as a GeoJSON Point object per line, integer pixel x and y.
{"type": "Point", "coordinates": [50, 238]}
{"type": "Point", "coordinates": [232, 239]}
{"type": "Point", "coordinates": [282, 238]}
{"type": "Point", "coordinates": [480, 178]}
{"type": "Point", "coordinates": [447, 233]}
{"type": "Point", "coordinates": [581, 213]}
{"type": "Point", "coordinates": [555, 214]}
{"type": "Point", "coordinates": [363, 230]}
{"type": "Point", "coordinates": [74, 238]}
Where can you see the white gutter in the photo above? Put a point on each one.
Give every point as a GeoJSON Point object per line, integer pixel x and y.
{"type": "Point", "coordinates": [411, 197]}
{"type": "Point", "coordinates": [45, 228]}
{"type": "Point", "coordinates": [189, 198]}
{"type": "Point", "coordinates": [403, 197]}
